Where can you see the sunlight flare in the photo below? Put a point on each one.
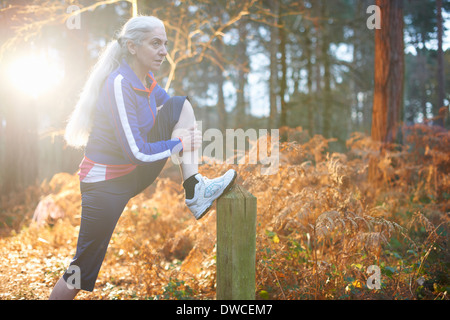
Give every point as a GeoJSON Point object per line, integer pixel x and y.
{"type": "Point", "coordinates": [34, 74]}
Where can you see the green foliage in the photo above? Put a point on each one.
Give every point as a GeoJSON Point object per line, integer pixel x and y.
{"type": "Point", "coordinates": [176, 290]}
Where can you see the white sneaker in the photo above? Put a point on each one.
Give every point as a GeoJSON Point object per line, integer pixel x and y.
{"type": "Point", "coordinates": [207, 191]}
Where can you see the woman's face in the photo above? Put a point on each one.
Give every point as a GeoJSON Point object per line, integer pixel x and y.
{"type": "Point", "coordinates": [151, 53]}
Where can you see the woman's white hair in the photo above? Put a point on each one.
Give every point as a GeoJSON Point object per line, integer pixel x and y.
{"type": "Point", "coordinates": [80, 122]}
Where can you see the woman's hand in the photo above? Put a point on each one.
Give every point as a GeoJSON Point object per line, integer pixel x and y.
{"type": "Point", "coordinates": [191, 138]}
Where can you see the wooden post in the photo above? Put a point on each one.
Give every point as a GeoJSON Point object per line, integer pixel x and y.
{"type": "Point", "coordinates": [236, 245]}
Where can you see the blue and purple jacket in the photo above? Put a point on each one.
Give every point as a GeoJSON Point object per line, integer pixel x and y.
{"type": "Point", "coordinates": [124, 115]}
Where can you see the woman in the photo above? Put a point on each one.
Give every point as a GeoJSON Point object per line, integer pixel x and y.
{"type": "Point", "coordinates": [129, 127]}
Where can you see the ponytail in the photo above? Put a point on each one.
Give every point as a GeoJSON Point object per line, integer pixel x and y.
{"type": "Point", "coordinates": [79, 124]}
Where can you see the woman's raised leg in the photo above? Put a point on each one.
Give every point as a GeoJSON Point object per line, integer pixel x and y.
{"type": "Point", "coordinates": [189, 159]}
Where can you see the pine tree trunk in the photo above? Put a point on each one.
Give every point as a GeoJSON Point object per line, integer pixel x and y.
{"type": "Point", "coordinates": [221, 99]}
{"type": "Point", "coordinates": [396, 73]}
{"type": "Point", "coordinates": [389, 69]}
{"type": "Point", "coordinates": [317, 72]}
{"type": "Point", "coordinates": [283, 80]}
{"type": "Point", "coordinates": [240, 119]}
{"type": "Point", "coordinates": [21, 154]}
{"type": "Point", "coordinates": [327, 104]}
{"type": "Point", "coordinates": [273, 81]}
{"type": "Point", "coordinates": [440, 56]}
{"type": "Point", "coordinates": [309, 69]}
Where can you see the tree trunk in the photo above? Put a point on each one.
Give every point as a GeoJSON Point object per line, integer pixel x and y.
{"type": "Point", "coordinates": [396, 73]}
{"type": "Point", "coordinates": [327, 103]}
{"type": "Point", "coordinates": [309, 69]}
{"type": "Point", "coordinates": [221, 100]}
{"type": "Point", "coordinates": [273, 81]}
{"type": "Point", "coordinates": [21, 154]}
{"type": "Point", "coordinates": [240, 119]}
{"type": "Point", "coordinates": [317, 72]}
{"type": "Point", "coordinates": [440, 56]}
{"type": "Point", "coordinates": [389, 69]}
{"type": "Point", "coordinates": [283, 80]}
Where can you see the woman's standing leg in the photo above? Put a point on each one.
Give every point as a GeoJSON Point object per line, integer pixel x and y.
{"type": "Point", "coordinates": [61, 291]}
{"type": "Point", "coordinates": [102, 205]}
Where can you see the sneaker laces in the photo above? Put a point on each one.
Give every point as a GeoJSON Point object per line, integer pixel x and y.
{"type": "Point", "coordinates": [203, 178]}
{"type": "Point", "coordinates": [206, 179]}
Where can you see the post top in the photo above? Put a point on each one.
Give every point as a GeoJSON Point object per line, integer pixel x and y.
{"type": "Point", "coordinates": [238, 192]}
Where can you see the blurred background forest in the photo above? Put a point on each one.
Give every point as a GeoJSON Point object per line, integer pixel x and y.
{"type": "Point", "coordinates": [363, 115]}
{"type": "Point", "coordinates": [245, 64]}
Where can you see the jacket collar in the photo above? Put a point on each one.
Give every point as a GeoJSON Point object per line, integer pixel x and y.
{"type": "Point", "coordinates": [137, 85]}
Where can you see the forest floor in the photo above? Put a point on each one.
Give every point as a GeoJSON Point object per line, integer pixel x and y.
{"type": "Point", "coordinates": [320, 226]}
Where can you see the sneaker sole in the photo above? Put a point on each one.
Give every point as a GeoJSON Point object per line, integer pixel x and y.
{"type": "Point", "coordinates": [228, 188]}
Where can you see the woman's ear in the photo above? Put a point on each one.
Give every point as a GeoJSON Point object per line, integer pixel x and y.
{"type": "Point", "coordinates": [131, 47]}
